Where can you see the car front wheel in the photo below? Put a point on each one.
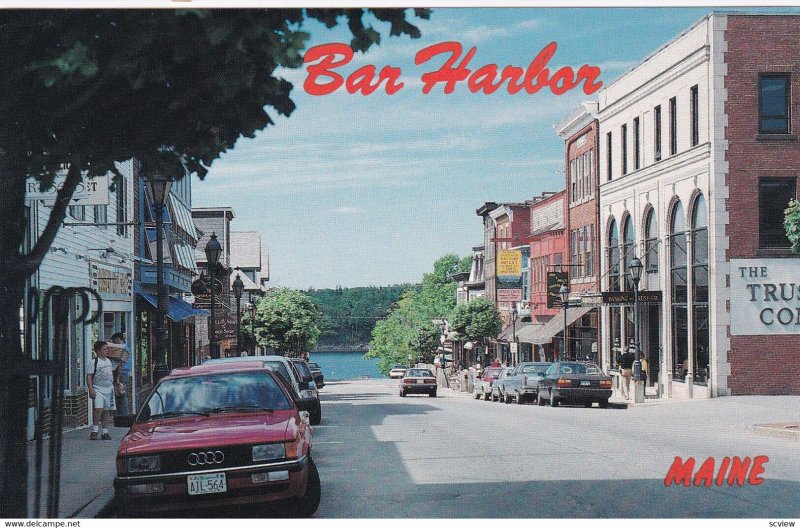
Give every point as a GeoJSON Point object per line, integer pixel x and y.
{"type": "Point", "coordinates": [603, 404]}
{"type": "Point", "coordinates": [307, 505]}
{"type": "Point", "coordinates": [553, 401]}
{"type": "Point", "coordinates": [433, 394]}
{"type": "Point", "coordinates": [316, 415]}
{"type": "Point", "coordinates": [402, 394]}
{"type": "Point", "coordinates": [540, 400]}
{"type": "Point", "coordinates": [486, 396]}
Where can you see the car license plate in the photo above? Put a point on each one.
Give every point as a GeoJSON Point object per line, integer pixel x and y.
{"type": "Point", "coordinates": [420, 381]}
{"type": "Point", "coordinates": [586, 383]}
{"type": "Point", "coordinates": [208, 483]}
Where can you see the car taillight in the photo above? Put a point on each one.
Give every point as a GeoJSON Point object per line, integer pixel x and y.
{"type": "Point", "coordinates": [564, 382]}
{"type": "Point", "coordinates": [430, 381]}
{"type": "Point", "coordinates": [408, 380]}
{"type": "Point", "coordinates": [605, 383]}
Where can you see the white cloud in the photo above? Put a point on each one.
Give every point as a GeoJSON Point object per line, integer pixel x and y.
{"type": "Point", "coordinates": [346, 210]}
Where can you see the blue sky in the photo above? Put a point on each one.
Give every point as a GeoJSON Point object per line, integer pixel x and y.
{"type": "Point", "coordinates": [356, 190]}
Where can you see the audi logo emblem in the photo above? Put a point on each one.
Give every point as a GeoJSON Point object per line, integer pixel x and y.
{"type": "Point", "coordinates": [206, 457]}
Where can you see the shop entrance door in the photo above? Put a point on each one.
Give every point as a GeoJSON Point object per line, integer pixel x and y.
{"type": "Point", "coordinates": [653, 341]}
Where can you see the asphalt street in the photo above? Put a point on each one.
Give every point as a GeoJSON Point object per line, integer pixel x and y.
{"type": "Point", "coordinates": [382, 456]}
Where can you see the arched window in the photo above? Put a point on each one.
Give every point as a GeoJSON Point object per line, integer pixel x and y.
{"type": "Point", "coordinates": [651, 242]}
{"type": "Point", "coordinates": [678, 286]}
{"type": "Point", "coordinates": [699, 241]}
{"type": "Point", "coordinates": [613, 256]}
{"type": "Point", "coordinates": [627, 250]}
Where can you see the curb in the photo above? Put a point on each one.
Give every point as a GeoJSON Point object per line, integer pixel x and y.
{"type": "Point", "coordinates": [785, 431]}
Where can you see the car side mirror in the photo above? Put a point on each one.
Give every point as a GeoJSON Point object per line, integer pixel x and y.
{"type": "Point", "coordinates": [124, 420]}
{"type": "Point", "coordinates": [306, 404]}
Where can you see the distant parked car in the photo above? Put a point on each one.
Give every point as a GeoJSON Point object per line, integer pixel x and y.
{"type": "Point", "coordinates": [522, 384]}
{"type": "Point", "coordinates": [498, 387]}
{"type": "Point", "coordinates": [483, 385]}
{"type": "Point", "coordinates": [574, 382]}
{"type": "Point", "coordinates": [319, 379]}
{"type": "Point", "coordinates": [418, 381]}
{"type": "Point", "coordinates": [397, 371]}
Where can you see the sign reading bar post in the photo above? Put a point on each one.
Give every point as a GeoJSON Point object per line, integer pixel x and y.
{"type": "Point", "coordinates": [626, 297]}
{"type": "Point", "coordinates": [509, 264]}
{"type": "Point", "coordinates": [765, 296]}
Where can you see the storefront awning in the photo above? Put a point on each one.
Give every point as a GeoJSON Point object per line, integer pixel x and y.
{"type": "Point", "coordinates": [511, 331]}
{"type": "Point", "coordinates": [542, 334]}
{"type": "Point", "coordinates": [177, 310]}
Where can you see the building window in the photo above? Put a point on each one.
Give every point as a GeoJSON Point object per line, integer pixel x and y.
{"type": "Point", "coordinates": [678, 285]}
{"type": "Point", "coordinates": [627, 250]}
{"type": "Point", "coordinates": [590, 158]}
{"type": "Point", "coordinates": [699, 242]}
{"type": "Point", "coordinates": [773, 103]}
{"type": "Point", "coordinates": [657, 132]}
{"type": "Point", "coordinates": [122, 205]}
{"type": "Point", "coordinates": [636, 145]}
{"type": "Point", "coordinates": [773, 198]}
{"type": "Point", "coordinates": [695, 111]}
{"type": "Point", "coordinates": [608, 156]}
{"type": "Point", "coordinates": [624, 134]}
{"type": "Point", "coordinates": [673, 126]}
{"type": "Point", "coordinates": [573, 185]}
{"type": "Point", "coordinates": [589, 243]}
{"type": "Point", "coordinates": [613, 257]}
{"type": "Point", "coordinates": [100, 214]}
{"type": "Point", "coordinates": [579, 177]}
{"type": "Point", "coordinates": [651, 243]}
{"type": "Point", "coordinates": [78, 212]}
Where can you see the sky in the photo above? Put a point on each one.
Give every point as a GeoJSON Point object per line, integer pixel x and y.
{"type": "Point", "coordinates": [355, 190]}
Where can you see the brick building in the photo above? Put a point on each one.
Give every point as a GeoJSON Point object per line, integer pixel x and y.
{"type": "Point", "coordinates": [697, 160]}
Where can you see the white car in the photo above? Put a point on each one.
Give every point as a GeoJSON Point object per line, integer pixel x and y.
{"type": "Point", "coordinates": [397, 372]}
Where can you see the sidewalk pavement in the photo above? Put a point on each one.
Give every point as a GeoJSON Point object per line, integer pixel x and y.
{"type": "Point", "coordinates": [87, 473]}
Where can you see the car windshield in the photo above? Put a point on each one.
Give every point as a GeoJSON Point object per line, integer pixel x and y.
{"type": "Point", "coordinates": [281, 369]}
{"type": "Point", "coordinates": [580, 368]}
{"type": "Point", "coordinates": [214, 393]}
{"type": "Point", "coordinates": [494, 372]}
{"type": "Point", "coordinates": [302, 368]}
{"type": "Point", "coordinates": [313, 366]}
{"type": "Point", "coordinates": [399, 367]}
{"type": "Point", "coordinates": [419, 373]}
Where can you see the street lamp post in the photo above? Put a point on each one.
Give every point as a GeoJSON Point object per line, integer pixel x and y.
{"type": "Point", "coordinates": [409, 361]}
{"type": "Point", "coordinates": [563, 291]}
{"type": "Point", "coordinates": [213, 250]}
{"type": "Point", "coordinates": [635, 268]}
{"type": "Point", "coordinates": [514, 331]}
{"type": "Point", "coordinates": [238, 290]}
{"type": "Point", "coordinates": [159, 191]}
{"type": "Point", "coordinates": [251, 309]}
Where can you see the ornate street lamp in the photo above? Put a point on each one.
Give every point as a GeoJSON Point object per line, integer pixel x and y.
{"type": "Point", "coordinates": [238, 290]}
{"type": "Point", "coordinates": [635, 268]}
{"type": "Point", "coordinates": [213, 251]}
{"type": "Point", "coordinates": [159, 185]}
{"type": "Point", "coordinates": [251, 309]}
{"type": "Point", "coordinates": [563, 291]}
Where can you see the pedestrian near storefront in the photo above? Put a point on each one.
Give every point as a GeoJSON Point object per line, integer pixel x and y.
{"type": "Point", "coordinates": [645, 368]}
{"type": "Point", "coordinates": [626, 363]}
{"type": "Point", "coordinates": [101, 380]}
{"type": "Point", "coordinates": [124, 370]}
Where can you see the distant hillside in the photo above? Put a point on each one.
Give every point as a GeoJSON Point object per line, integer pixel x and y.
{"type": "Point", "coordinates": [349, 314]}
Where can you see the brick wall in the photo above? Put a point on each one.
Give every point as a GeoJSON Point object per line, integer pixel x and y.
{"type": "Point", "coordinates": [76, 411]}
{"type": "Point", "coordinates": [757, 44]}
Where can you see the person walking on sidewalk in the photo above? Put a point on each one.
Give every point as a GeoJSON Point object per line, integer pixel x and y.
{"type": "Point", "coordinates": [124, 370]}
{"type": "Point", "coordinates": [101, 381]}
{"type": "Point", "coordinates": [626, 364]}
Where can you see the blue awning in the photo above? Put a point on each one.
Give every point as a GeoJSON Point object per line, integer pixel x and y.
{"type": "Point", "coordinates": [177, 309]}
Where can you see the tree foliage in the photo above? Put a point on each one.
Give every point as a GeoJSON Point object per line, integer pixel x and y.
{"type": "Point", "coordinates": [791, 222]}
{"type": "Point", "coordinates": [408, 328]}
{"type": "Point", "coordinates": [287, 321]}
{"type": "Point", "coordinates": [476, 321]}
{"type": "Point", "coordinates": [350, 314]}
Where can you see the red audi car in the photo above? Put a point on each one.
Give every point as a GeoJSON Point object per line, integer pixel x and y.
{"type": "Point", "coordinates": [216, 436]}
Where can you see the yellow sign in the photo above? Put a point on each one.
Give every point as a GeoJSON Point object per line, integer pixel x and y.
{"type": "Point", "coordinates": [509, 263]}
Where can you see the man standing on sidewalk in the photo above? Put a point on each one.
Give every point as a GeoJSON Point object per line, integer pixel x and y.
{"type": "Point", "coordinates": [626, 364]}
{"type": "Point", "coordinates": [125, 368]}
{"type": "Point", "coordinates": [101, 381]}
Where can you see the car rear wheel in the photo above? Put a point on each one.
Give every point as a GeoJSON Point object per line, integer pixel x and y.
{"type": "Point", "coordinates": [588, 404]}
{"type": "Point", "coordinates": [603, 404]}
{"type": "Point", "coordinates": [402, 394]}
{"type": "Point", "coordinates": [486, 396]}
{"type": "Point", "coordinates": [540, 400]}
{"type": "Point", "coordinates": [432, 394]}
{"type": "Point", "coordinates": [520, 399]}
{"type": "Point", "coordinates": [307, 505]}
{"type": "Point", "coordinates": [553, 400]}
{"type": "Point", "coordinates": [477, 395]}
{"type": "Point", "coordinates": [507, 398]}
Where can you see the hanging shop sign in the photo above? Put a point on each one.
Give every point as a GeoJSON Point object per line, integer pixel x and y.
{"type": "Point", "coordinates": [111, 281]}
{"type": "Point", "coordinates": [765, 296]}
{"type": "Point", "coordinates": [90, 191]}
{"type": "Point", "coordinates": [509, 295]}
{"type": "Point", "coordinates": [509, 264]}
{"type": "Point", "coordinates": [555, 279]}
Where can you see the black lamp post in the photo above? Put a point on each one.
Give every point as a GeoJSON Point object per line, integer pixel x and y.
{"type": "Point", "coordinates": [635, 268]}
{"type": "Point", "coordinates": [213, 251]}
{"type": "Point", "coordinates": [159, 185]}
{"type": "Point", "coordinates": [251, 309]}
{"type": "Point", "coordinates": [514, 330]}
{"type": "Point", "coordinates": [238, 290]}
{"type": "Point", "coordinates": [563, 291]}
